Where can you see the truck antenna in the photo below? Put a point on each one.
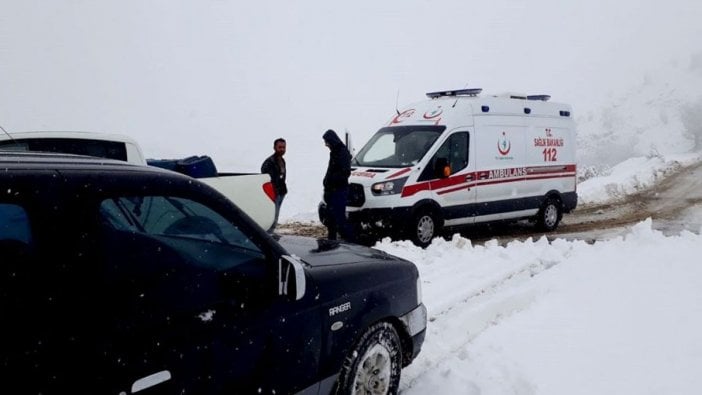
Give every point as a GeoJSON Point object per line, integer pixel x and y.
{"type": "Point", "coordinates": [397, 99]}
{"type": "Point", "coordinates": [8, 134]}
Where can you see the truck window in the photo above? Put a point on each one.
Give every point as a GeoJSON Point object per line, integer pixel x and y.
{"type": "Point", "coordinates": [17, 269]}
{"type": "Point", "coordinates": [88, 147]}
{"type": "Point", "coordinates": [187, 226]}
{"type": "Point", "coordinates": [14, 223]}
{"type": "Point", "coordinates": [453, 151]}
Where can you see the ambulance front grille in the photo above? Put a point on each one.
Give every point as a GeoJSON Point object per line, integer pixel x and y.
{"type": "Point", "coordinates": [356, 196]}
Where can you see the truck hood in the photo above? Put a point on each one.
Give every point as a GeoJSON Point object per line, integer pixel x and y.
{"type": "Point", "coordinates": [362, 276]}
{"type": "Point", "coordinates": [323, 252]}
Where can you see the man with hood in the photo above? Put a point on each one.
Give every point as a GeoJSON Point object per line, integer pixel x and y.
{"type": "Point", "coordinates": [336, 186]}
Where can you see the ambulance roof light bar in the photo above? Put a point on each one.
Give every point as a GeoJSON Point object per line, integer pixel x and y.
{"type": "Point", "coordinates": [457, 92]}
{"type": "Point", "coordinates": [539, 97]}
{"type": "Point", "coordinates": [512, 95]}
{"type": "Point", "coordinates": [521, 96]}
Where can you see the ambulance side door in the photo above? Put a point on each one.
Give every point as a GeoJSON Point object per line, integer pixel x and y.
{"type": "Point", "coordinates": [454, 190]}
{"type": "Point", "coordinates": [500, 167]}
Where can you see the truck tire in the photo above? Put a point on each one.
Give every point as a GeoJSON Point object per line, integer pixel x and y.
{"type": "Point", "coordinates": [549, 215]}
{"type": "Point", "coordinates": [374, 365]}
{"type": "Point", "coordinates": [423, 227]}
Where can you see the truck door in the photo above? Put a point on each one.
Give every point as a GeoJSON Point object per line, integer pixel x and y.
{"type": "Point", "coordinates": [194, 298]}
{"type": "Point", "coordinates": [451, 172]}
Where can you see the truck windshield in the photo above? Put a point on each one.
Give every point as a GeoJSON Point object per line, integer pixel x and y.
{"type": "Point", "coordinates": [398, 146]}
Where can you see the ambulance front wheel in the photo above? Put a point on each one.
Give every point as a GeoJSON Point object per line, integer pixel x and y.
{"type": "Point", "coordinates": [549, 215]}
{"type": "Point", "coordinates": [424, 227]}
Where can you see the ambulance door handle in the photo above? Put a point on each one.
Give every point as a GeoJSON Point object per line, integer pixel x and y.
{"type": "Point", "coordinates": [469, 177]}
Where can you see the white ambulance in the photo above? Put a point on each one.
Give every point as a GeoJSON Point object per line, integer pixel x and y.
{"type": "Point", "coordinates": [462, 158]}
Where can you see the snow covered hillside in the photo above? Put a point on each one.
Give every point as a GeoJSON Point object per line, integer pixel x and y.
{"type": "Point", "coordinates": [660, 116]}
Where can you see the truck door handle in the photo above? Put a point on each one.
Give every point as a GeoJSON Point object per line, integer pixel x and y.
{"type": "Point", "coordinates": [150, 381]}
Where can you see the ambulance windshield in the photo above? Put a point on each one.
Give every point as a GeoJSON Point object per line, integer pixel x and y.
{"type": "Point", "coordinates": [398, 146]}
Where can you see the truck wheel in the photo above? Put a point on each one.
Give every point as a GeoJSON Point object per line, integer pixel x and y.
{"type": "Point", "coordinates": [373, 366]}
{"type": "Point", "coordinates": [549, 215]}
{"type": "Point", "coordinates": [423, 228]}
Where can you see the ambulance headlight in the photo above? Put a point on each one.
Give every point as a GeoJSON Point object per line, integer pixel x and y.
{"type": "Point", "coordinates": [388, 187]}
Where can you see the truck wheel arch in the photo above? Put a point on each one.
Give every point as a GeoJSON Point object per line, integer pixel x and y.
{"type": "Point", "coordinates": [405, 340]}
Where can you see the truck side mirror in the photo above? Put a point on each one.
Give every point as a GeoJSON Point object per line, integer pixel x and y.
{"type": "Point", "coordinates": [442, 169]}
{"type": "Point", "coordinates": [347, 141]}
{"type": "Point", "coordinates": [291, 277]}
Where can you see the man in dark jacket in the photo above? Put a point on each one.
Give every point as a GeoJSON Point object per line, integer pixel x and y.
{"type": "Point", "coordinates": [275, 166]}
{"type": "Point", "coordinates": [336, 186]}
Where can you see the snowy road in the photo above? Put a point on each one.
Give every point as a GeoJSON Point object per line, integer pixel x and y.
{"type": "Point", "coordinates": [469, 289]}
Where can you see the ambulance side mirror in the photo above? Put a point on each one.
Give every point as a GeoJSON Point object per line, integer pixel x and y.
{"type": "Point", "coordinates": [442, 169]}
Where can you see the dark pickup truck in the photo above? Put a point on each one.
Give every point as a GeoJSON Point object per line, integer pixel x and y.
{"type": "Point", "coordinates": [120, 279]}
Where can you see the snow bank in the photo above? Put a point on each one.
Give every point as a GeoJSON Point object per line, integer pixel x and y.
{"type": "Point", "coordinates": [631, 176]}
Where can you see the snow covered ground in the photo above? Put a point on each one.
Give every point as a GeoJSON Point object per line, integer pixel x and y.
{"type": "Point", "coordinates": [620, 316]}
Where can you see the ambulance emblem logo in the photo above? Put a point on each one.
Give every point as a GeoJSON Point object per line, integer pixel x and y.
{"type": "Point", "coordinates": [403, 116]}
{"type": "Point", "coordinates": [504, 145]}
{"type": "Point", "coordinates": [434, 113]}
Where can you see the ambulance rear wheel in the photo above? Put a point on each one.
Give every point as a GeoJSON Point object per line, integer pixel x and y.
{"type": "Point", "coordinates": [549, 215]}
{"type": "Point", "coordinates": [424, 227]}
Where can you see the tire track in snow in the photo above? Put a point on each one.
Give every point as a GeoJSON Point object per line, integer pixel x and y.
{"type": "Point", "coordinates": [476, 312]}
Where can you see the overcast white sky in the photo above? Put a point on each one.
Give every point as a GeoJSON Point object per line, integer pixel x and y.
{"type": "Point", "coordinates": [218, 70]}
{"type": "Point", "coordinates": [225, 78]}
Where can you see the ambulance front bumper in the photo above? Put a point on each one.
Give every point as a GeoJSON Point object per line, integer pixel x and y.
{"type": "Point", "coordinates": [380, 218]}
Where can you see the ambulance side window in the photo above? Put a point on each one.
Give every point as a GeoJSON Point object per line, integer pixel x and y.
{"type": "Point", "coordinates": [453, 151]}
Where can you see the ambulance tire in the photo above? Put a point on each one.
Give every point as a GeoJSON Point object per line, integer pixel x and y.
{"type": "Point", "coordinates": [424, 227]}
{"type": "Point", "coordinates": [549, 215]}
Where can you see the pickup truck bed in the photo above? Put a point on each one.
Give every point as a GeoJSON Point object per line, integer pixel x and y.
{"type": "Point", "coordinates": [241, 188]}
